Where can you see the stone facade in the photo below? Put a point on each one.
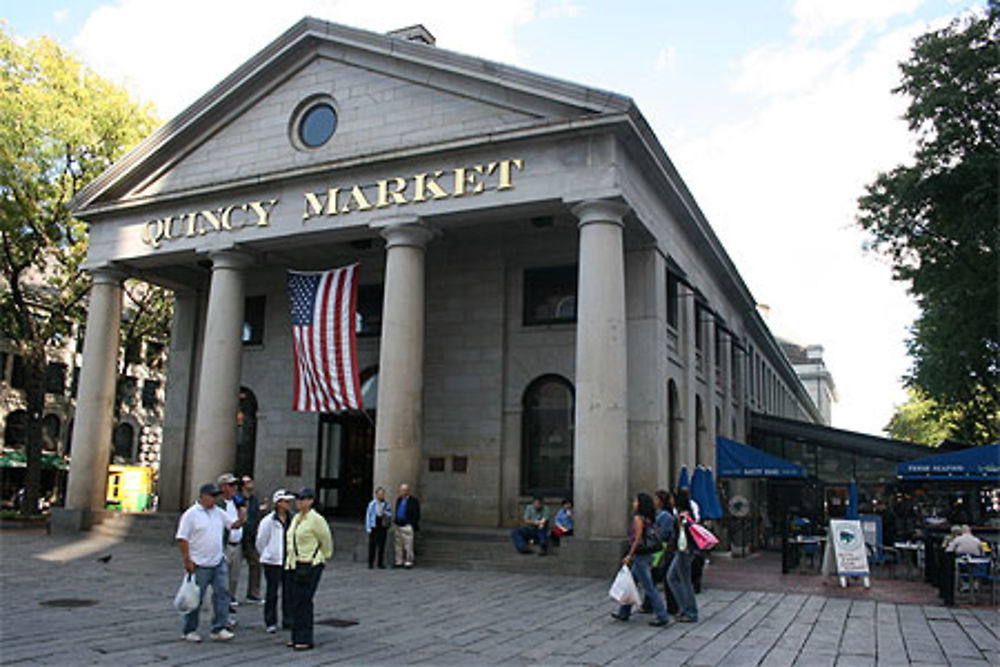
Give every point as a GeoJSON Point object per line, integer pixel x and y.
{"type": "Point", "coordinates": [451, 180]}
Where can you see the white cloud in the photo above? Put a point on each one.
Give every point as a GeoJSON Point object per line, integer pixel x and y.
{"type": "Point", "coordinates": [560, 9]}
{"type": "Point", "coordinates": [170, 53]}
{"type": "Point", "coordinates": [817, 17]}
{"type": "Point", "coordinates": [666, 59]}
{"type": "Point", "coordinates": [780, 188]}
{"type": "Point", "coordinates": [60, 15]}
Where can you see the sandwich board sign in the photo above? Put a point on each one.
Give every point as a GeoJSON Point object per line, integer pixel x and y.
{"type": "Point", "coordinates": [845, 554]}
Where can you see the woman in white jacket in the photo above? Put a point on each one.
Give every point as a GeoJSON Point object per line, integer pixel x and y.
{"type": "Point", "coordinates": [271, 547]}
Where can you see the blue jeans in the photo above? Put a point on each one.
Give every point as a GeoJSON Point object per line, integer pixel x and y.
{"type": "Point", "coordinates": [303, 591]}
{"type": "Point", "coordinates": [679, 580]}
{"type": "Point", "coordinates": [642, 572]}
{"type": "Point", "coordinates": [218, 578]}
{"type": "Point", "coordinates": [524, 534]}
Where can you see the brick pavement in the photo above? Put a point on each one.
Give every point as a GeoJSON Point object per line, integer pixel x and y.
{"type": "Point", "coordinates": [439, 617]}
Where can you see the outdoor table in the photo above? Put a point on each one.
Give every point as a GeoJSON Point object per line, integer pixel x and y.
{"type": "Point", "coordinates": [911, 553]}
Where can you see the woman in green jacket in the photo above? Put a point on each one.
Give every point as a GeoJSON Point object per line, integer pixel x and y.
{"type": "Point", "coordinates": [308, 544]}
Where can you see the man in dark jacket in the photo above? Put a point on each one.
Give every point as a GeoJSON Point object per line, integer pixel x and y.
{"type": "Point", "coordinates": [249, 542]}
{"type": "Point", "coordinates": [405, 521]}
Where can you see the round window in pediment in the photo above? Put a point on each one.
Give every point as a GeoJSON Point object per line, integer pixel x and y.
{"type": "Point", "coordinates": [314, 123]}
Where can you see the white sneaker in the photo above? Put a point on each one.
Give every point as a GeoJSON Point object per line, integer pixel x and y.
{"type": "Point", "coordinates": [233, 602]}
{"type": "Point", "coordinates": [222, 635]}
{"type": "Point", "coordinates": [271, 629]}
{"type": "Point", "coordinates": [191, 637]}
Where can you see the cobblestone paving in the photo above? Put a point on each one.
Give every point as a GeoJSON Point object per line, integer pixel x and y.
{"type": "Point", "coordinates": [437, 617]}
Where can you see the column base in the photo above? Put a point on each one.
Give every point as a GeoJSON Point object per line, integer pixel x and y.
{"type": "Point", "coordinates": [70, 521]}
{"type": "Point", "coordinates": [592, 556]}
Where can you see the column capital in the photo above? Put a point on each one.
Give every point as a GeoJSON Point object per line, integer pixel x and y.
{"type": "Point", "coordinates": [107, 275]}
{"type": "Point", "coordinates": [607, 211]}
{"type": "Point", "coordinates": [412, 234]}
{"type": "Point", "coordinates": [229, 259]}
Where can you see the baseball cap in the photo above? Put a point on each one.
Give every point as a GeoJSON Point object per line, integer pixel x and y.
{"type": "Point", "coordinates": [306, 492]}
{"type": "Point", "coordinates": [281, 494]}
{"type": "Point", "coordinates": [226, 478]}
{"type": "Point", "coordinates": [210, 489]}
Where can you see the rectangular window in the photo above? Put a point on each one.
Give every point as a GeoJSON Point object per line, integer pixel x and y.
{"type": "Point", "coordinates": [369, 315]}
{"type": "Point", "coordinates": [435, 464]}
{"type": "Point", "coordinates": [17, 373]}
{"type": "Point", "coordinates": [132, 351]}
{"type": "Point", "coordinates": [74, 386]}
{"type": "Point", "coordinates": [55, 379]}
{"type": "Point", "coordinates": [150, 393]}
{"type": "Point", "coordinates": [459, 463]}
{"type": "Point", "coordinates": [700, 314]}
{"type": "Point", "coordinates": [718, 342]}
{"type": "Point", "coordinates": [80, 334]}
{"type": "Point", "coordinates": [254, 308]}
{"type": "Point", "coordinates": [126, 390]}
{"type": "Point", "coordinates": [550, 295]}
{"type": "Point", "coordinates": [293, 462]}
{"type": "Point", "coordinates": [673, 300]}
{"type": "Point", "coordinates": [154, 354]}
{"type": "Point", "coordinates": [3, 366]}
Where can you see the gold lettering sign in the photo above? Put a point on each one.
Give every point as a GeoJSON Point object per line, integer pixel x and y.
{"type": "Point", "coordinates": [341, 200]}
{"type": "Point", "coordinates": [417, 188]}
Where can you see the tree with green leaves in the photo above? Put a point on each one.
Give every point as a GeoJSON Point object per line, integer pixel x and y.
{"type": "Point", "coordinates": [921, 420]}
{"type": "Point", "coordinates": [60, 126]}
{"type": "Point", "coordinates": [937, 220]}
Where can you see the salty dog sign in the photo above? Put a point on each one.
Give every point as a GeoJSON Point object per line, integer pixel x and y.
{"type": "Point", "coordinates": [846, 552]}
{"type": "Point", "coordinates": [341, 200]}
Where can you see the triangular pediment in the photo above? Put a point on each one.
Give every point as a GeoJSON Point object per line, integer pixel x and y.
{"type": "Point", "coordinates": [390, 95]}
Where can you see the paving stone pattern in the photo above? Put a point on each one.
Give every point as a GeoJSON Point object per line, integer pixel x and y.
{"type": "Point", "coordinates": [440, 616]}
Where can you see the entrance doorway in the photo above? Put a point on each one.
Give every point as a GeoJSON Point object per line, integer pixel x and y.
{"type": "Point", "coordinates": [346, 455]}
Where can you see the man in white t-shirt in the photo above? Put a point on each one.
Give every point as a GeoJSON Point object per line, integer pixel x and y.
{"type": "Point", "coordinates": [199, 537]}
{"type": "Point", "coordinates": [232, 503]}
{"type": "Point", "coordinates": [966, 543]}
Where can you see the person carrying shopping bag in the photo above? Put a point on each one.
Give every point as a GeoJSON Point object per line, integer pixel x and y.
{"type": "Point", "coordinates": [644, 541]}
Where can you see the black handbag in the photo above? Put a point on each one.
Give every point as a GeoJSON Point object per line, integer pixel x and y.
{"type": "Point", "coordinates": [650, 542]}
{"type": "Point", "coordinates": [303, 570]}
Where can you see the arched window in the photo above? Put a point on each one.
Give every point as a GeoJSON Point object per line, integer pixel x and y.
{"type": "Point", "coordinates": [122, 439]}
{"type": "Point", "coordinates": [700, 433]}
{"type": "Point", "coordinates": [246, 432]}
{"type": "Point", "coordinates": [547, 437]}
{"type": "Point", "coordinates": [369, 388]}
{"type": "Point", "coordinates": [15, 430]}
{"type": "Point", "coordinates": [51, 430]}
{"type": "Point", "coordinates": [673, 430]}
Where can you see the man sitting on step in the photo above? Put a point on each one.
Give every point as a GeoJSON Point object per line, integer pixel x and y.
{"type": "Point", "coordinates": [533, 528]}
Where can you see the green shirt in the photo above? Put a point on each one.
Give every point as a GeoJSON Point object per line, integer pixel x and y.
{"type": "Point", "coordinates": [308, 540]}
{"type": "Point", "coordinates": [533, 515]}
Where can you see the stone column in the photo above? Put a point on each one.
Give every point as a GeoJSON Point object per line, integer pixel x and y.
{"type": "Point", "coordinates": [399, 419]}
{"type": "Point", "coordinates": [727, 385]}
{"type": "Point", "coordinates": [689, 424]}
{"type": "Point", "coordinates": [600, 461]}
{"type": "Point", "coordinates": [711, 400]}
{"type": "Point", "coordinates": [88, 473]}
{"type": "Point", "coordinates": [214, 446]}
{"type": "Point", "coordinates": [177, 408]}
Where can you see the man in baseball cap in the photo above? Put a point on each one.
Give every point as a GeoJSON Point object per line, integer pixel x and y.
{"type": "Point", "coordinates": [199, 537]}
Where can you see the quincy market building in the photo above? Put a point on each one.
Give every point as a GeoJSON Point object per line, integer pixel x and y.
{"type": "Point", "coordinates": [543, 307]}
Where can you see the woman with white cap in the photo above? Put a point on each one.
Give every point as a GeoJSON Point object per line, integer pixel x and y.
{"type": "Point", "coordinates": [271, 547]}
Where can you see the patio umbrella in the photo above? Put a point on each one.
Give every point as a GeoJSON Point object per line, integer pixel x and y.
{"type": "Point", "coordinates": [700, 492]}
{"type": "Point", "coordinates": [852, 501]}
{"type": "Point", "coordinates": [683, 482]}
{"type": "Point", "coordinates": [713, 494]}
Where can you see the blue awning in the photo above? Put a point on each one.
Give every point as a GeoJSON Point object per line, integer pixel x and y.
{"type": "Point", "coordinates": [976, 463]}
{"type": "Point", "coordinates": [735, 459]}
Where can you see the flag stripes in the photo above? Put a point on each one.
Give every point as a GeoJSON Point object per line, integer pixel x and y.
{"type": "Point", "coordinates": [323, 308]}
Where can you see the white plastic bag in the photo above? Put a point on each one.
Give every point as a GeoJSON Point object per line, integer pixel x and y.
{"type": "Point", "coordinates": [623, 588]}
{"type": "Point", "coordinates": [188, 596]}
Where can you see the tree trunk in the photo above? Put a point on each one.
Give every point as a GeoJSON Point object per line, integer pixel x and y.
{"type": "Point", "coordinates": [35, 367]}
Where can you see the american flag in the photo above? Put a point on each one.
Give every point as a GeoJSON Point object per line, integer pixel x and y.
{"type": "Point", "coordinates": [324, 342]}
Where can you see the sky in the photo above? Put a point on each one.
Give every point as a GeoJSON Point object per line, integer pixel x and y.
{"type": "Point", "coordinates": [777, 113]}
